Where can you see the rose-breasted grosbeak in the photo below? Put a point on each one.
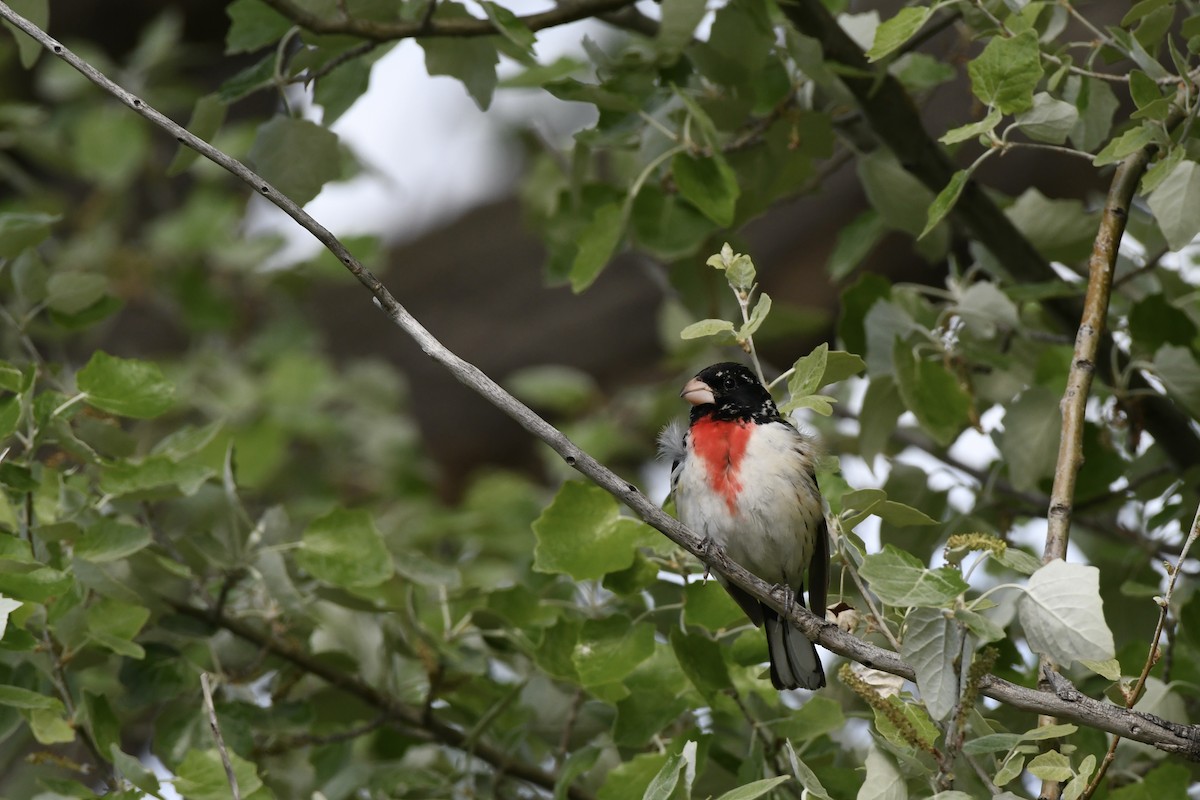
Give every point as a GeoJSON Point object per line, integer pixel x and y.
{"type": "Point", "coordinates": [742, 476]}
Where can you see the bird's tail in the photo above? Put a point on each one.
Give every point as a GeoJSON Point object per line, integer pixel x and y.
{"type": "Point", "coordinates": [794, 660]}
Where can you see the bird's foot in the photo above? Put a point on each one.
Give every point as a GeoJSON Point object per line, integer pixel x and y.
{"type": "Point", "coordinates": [710, 549]}
{"type": "Point", "coordinates": [787, 597]}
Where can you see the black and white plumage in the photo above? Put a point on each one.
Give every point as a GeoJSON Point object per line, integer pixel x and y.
{"type": "Point", "coordinates": [742, 476]}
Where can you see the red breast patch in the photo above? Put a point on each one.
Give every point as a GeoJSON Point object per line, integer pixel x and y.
{"type": "Point", "coordinates": [720, 447]}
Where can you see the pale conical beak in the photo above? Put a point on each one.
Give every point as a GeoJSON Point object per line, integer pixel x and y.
{"type": "Point", "coordinates": [698, 393]}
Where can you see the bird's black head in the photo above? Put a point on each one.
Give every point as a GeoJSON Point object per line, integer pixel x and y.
{"type": "Point", "coordinates": [729, 391]}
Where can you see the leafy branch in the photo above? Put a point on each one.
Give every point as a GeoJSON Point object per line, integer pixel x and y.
{"type": "Point", "coordinates": [379, 31]}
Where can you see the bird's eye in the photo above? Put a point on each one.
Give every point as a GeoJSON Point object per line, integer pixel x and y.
{"type": "Point", "coordinates": [728, 383]}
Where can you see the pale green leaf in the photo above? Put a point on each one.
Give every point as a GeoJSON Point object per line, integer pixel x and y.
{"type": "Point", "coordinates": [1032, 428]}
{"type": "Point", "coordinates": [109, 540]}
{"type": "Point", "coordinates": [706, 327]}
{"type": "Point", "coordinates": [1063, 616]}
{"type": "Point", "coordinates": [1050, 766]}
{"type": "Point", "coordinates": [16, 697]}
{"type": "Point", "coordinates": [1128, 143]}
{"type": "Point", "coordinates": [1049, 120]}
{"type": "Point", "coordinates": [754, 789]}
{"type": "Point", "coordinates": [1179, 371]}
{"type": "Point", "coordinates": [883, 780]}
{"type": "Point", "coordinates": [973, 130]}
{"type": "Point", "coordinates": [931, 645]}
{"type": "Point", "coordinates": [1176, 204]}
{"type": "Point", "coordinates": [757, 316]}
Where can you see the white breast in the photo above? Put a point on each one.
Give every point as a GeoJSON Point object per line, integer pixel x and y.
{"type": "Point", "coordinates": [770, 525]}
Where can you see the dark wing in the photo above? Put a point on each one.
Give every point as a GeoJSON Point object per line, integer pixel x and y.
{"type": "Point", "coordinates": [818, 571]}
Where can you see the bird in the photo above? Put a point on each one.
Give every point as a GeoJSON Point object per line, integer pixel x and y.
{"type": "Point", "coordinates": [742, 477]}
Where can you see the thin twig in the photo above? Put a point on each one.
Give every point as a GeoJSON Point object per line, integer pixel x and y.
{"type": "Point", "coordinates": [1063, 701]}
{"type": "Point", "coordinates": [217, 737]}
{"type": "Point", "coordinates": [1152, 654]}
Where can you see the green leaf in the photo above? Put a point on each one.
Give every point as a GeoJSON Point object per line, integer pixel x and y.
{"type": "Point", "coordinates": [133, 771]}
{"type": "Point", "coordinates": [1176, 367]}
{"type": "Point", "coordinates": [707, 183]}
{"type": "Point", "coordinates": [16, 697]}
{"type": "Point", "coordinates": [610, 648]}
{"type": "Point", "coordinates": [155, 476]}
{"type": "Point", "coordinates": [1161, 168]}
{"type": "Point", "coordinates": [893, 33]}
{"type": "Point", "coordinates": [201, 776]}
{"type": "Point", "coordinates": [20, 231]}
{"type": "Point", "coordinates": [901, 580]}
{"type": "Point", "coordinates": [109, 540]}
{"type": "Point", "coordinates": [854, 243]}
{"type": "Point", "coordinates": [662, 785]}
{"type": "Point", "coordinates": [597, 243]}
{"type": "Point", "coordinates": [901, 515]}
{"type": "Point", "coordinates": [738, 268]}
{"type": "Point", "coordinates": [341, 88]}
{"type": "Point", "coordinates": [709, 606]}
{"type": "Point", "coordinates": [582, 534]}
{"type": "Point", "coordinates": [898, 196]}
{"type": "Point", "coordinates": [1049, 120]}
{"type": "Point", "coordinates": [1032, 428]}
{"type": "Point", "coordinates": [511, 27]}
{"type": "Point", "coordinates": [974, 130]}
{"type": "Point", "coordinates": [804, 774]}
{"type": "Point", "coordinates": [1009, 770]}
{"type": "Point", "coordinates": [113, 624]}
{"type": "Point", "coordinates": [126, 387]}
{"type": "Point", "coordinates": [945, 201]}
{"type": "Point", "coordinates": [1097, 104]}
{"type": "Point", "coordinates": [931, 646]}
{"type": "Point", "coordinates": [110, 145]}
{"type": "Point", "coordinates": [702, 660]}
{"type": "Point", "coordinates": [37, 12]}
{"type": "Point", "coordinates": [666, 226]}
{"type": "Point", "coordinates": [932, 393]}
{"type": "Point", "coordinates": [296, 156]}
{"type": "Point", "coordinates": [36, 586]}
{"type": "Point", "coordinates": [757, 316]}
{"type": "Point", "coordinates": [252, 26]}
{"type": "Point", "coordinates": [1176, 204]}
{"type": "Point", "coordinates": [808, 372]}
{"type": "Point", "coordinates": [755, 789]}
{"type": "Point", "coordinates": [471, 60]}
{"type": "Point", "coordinates": [1063, 616]}
{"type": "Point", "coordinates": [678, 23]}
{"type": "Point", "coordinates": [1128, 143]}
{"type": "Point", "coordinates": [72, 292]}
{"type": "Point", "coordinates": [1005, 74]}
{"type": "Point", "coordinates": [1142, 89]}
{"type": "Point", "coordinates": [207, 117]}
{"type": "Point", "coordinates": [344, 548]}
{"type": "Point", "coordinates": [49, 727]}
{"type": "Point", "coordinates": [706, 327]}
